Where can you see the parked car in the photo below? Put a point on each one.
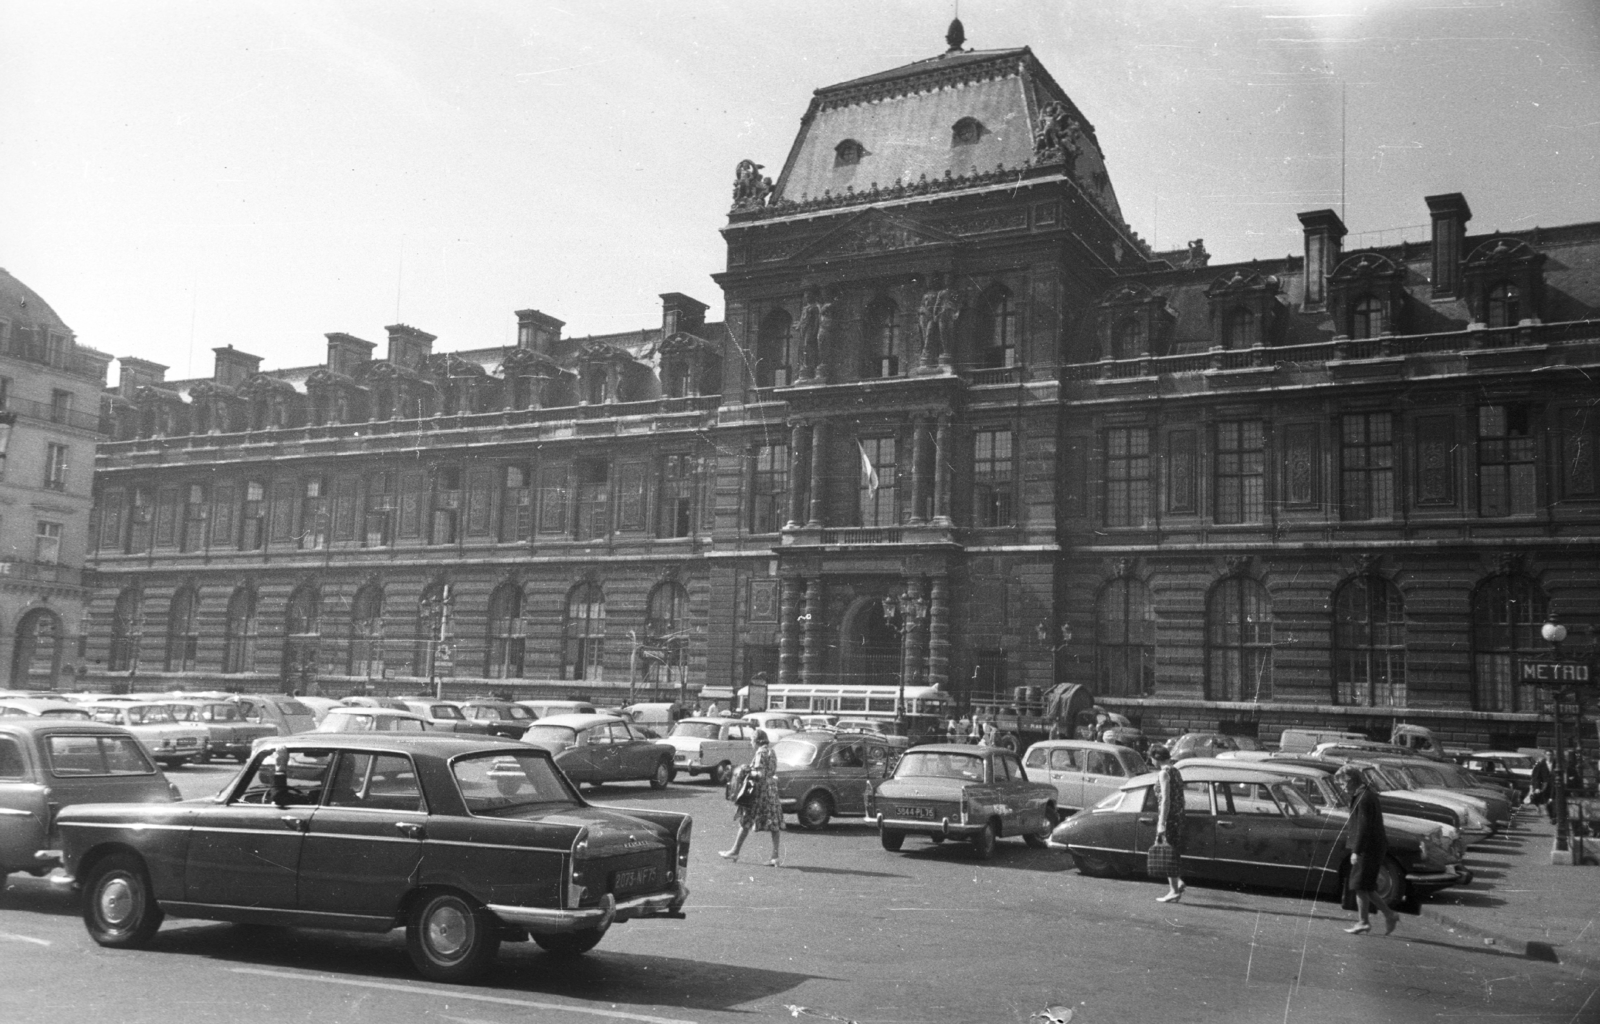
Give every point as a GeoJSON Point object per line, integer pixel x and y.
{"type": "Point", "coordinates": [818, 721]}
{"type": "Point", "coordinates": [603, 748]}
{"type": "Point", "coordinates": [165, 739]}
{"type": "Point", "coordinates": [286, 713]}
{"type": "Point", "coordinates": [319, 705]}
{"type": "Point", "coordinates": [1473, 813]}
{"type": "Point", "coordinates": [946, 791]}
{"type": "Point", "coordinates": [464, 841]}
{"type": "Point", "coordinates": [655, 718]}
{"type": "Point", "coordinates": [710, 746]}
{"type": "Point", "coordinates": [1208, 744]}
{"type": "Point", "coordinates": [500, 717]}
{"type": "Point", "coordinates": [371, 720]}
{"type": "Point", "coordinates": [1243, 824]}
{"type": "Point", "coordinates": [228, 734]}
{"type": "Point", "coordinates": [1083, 772]}
{"type": "Point", "coordinates": [49, 763]}
{"type": "Point", "coordinates": [1443, 776]}
{"type": "Point", "coordinates": [1504, 767]}
{"type": "Point", "coordinates": [446, 716]}
{"type": "Point", "coordinates": [546, 708]}
{"type": "Point", "coordinates": [823, 774]}
{"type": "Point", "coordinates": [392, 703]}
{"type": "Point", "coordinates": [1304, 741]}
{"type": "Point", "coordinates": [776, 724]}
{"type": "Point", "coordinates": [1397, 800]}
{"type": "Point", "coordinates": [884, 730]}
{"type": "Point", "coordinates": [26, 707]}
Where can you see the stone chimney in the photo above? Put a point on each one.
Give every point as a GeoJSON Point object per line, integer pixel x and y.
{"type": "Point", "coordinates": [1450, 214]}
{"type": "Point", "coordinates": [538, 332]}
{"type": "Point", "coordinates": [348, 353]}
{"type": "Point", "coordinates": [136, 373]}
{"type": "Point", "coordinates": [408, 346]}
{"type": "Point", "coordinates": [681, 313]}
{"type": "Point", "coordinates": [1324, 233]}
{"type": "Point", "coordinates": [233, 367]}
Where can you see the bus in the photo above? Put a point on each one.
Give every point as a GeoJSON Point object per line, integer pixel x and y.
{"type": "Point", "coordinates": [927, 709]}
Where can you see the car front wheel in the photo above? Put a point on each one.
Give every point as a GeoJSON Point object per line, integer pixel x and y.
{"type": "Point", "coordinates": [1392, 883]}
{"type": "Point", "coordinates": [983, 843]}
{"type": "Point", "coordinates": [1094, 865]}
{"type": "Point", "coordinates": [816, 811]}
{"type": "Point", "coordinates": [662, 776]}
{"type": "Point", "coordinates": [570, 943]}
{"type": "Point", "coordinates": [118, 907]}
{"type": "Point", "coordinates": [892, 841]}
{"type": "Point", "coordinates": [722, 773]}
{"type": "Point", "coordinates": [450, 938]}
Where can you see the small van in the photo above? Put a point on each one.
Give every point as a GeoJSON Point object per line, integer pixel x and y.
{"type": "Point", "coordinates": [656, 718]}
{"type": "Point", "coordinates": [1084, 772]}
{"type": "Point", "coordinates": [1303, 741]}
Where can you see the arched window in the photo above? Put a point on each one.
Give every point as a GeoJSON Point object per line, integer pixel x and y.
{"type": "Point", "coordinates": [583, 633]}
{"type": "Point", "coordinates": [1507, 611]}
{"type": "Point", "coordinates": [366, 633]}
{"type": "Point", "coordinates": [848, 153]}
{"type": "Point", "coordinates": [774, 362]}
{"type": "Point", "coordinates": [302, 626]}
{"type": "Point", "coordinates": [36, 661]}
{"type": "Point", "coordinates": [433, 630]}
{"type": "Point", "coordinates": [505, 632]}
{"type": "Point", "coordinates": [1238, 328]}
{"type": "Point", "coordinates": [1366, 319]}
{"type": "Point", "coordinates": [1125, 640]}
{"type": "Point", "coordinates": [1239, 641]}
{"type": "Point", "coordinates": [966, 132]}
{"type": "Point", "coordinates": [127, 623]}
{"type": "Point", "coordinates": [239, 635]}
{"type": "Point", "coordinates": [1505, 305]}
{"type": "Point", "coordinates": [183, 631]}
{"type": "Point", "coordinates": [1369, 643]}
{"type": "Point", "coordinates": [665, 628]}
{"type": "Point", "coordinates": [882, 341]}
{"type": "Point", "coordinates": [1127, 339]}
{"type": "Point", "coordinates": [997, 345]}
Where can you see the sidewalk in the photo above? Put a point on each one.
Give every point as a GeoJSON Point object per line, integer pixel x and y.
{"type": "Point", "coordinates": [1521, 902]}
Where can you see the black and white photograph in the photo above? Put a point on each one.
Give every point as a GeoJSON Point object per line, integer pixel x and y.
{"type": "Point", "coordinates": [875, 512]}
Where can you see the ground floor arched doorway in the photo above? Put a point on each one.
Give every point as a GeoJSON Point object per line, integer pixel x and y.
{"type": "Point", "coordinates": [36, 656]}
{"type": "Point", "coordinates": [869, 649]}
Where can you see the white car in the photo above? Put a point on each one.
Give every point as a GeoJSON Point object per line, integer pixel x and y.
{"type": "Point", "coordinates": [163, 737]}
{"type": "Point", "coordinates": [1084, 772]}
{"type": "Point", "coordinates": [776, 724]}
{"type": "Point", "coordinates": [711, 746]}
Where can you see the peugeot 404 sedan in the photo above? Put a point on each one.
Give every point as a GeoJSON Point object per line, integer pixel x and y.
{"type": "Point", "coordinates": [955, 791]}
{"type": "Point", "coordinates": [465, 842]}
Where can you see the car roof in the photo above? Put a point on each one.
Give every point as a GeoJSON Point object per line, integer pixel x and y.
{"type": "Point", "coordinates": [380, 712]}
{"type": "Point", "coordinates": [76, 725]}
{"type": "Point", "coordinates": [1209, 773]}
{"type": "Point", "coordinates": [1304, 771]}
{"type": "Point", "coordinates": [705, 720]}
{"type": "Point", "coordinates": [483, 702]}
{"type": "Point", "coordinates": [952, 748]}
{"type": "Point", "coordinates": [1500, 753]}
{"type": "Point", "coordinates": [580, 721]}
{"type": "Point", "coordinates": [447, 744]}
{"type": "Point", "coordinates": [37, 703]}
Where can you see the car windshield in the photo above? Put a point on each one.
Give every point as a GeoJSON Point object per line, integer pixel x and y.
{"type": "Point", "coordinates": [445, 711]}
{"type": "Point", "coordinates": [500, 785]}
{"type": "Point", "coordinates": [345, 723]}
{"type": "Point", "coordinates": [549, 734]}
{"type": "Point", "coordinates": [77, 714]}
{"type": "Point", "coordinates": [794, 753]}
{"type": "Point", "coordinates": [1384, 782]}
{"type": "Point", "coordinates": [516, 712]}
{"type": "Point", "coordinates": [940, 765]}
{"type": "Point", "coordinates": [221, 713]}
{"type": "Point", "coordinates": [150, 714]}
{"type": "Point", "coordinates": [1517, 762]}
{"type": "Point", "coordinates": [294, 707]}
{"type": "Point", "coordinates": [185, 713]}
{"type": "Point", "coordinates": [1293, 802]}
{"type": "Point", "coordinates": [696, 730]}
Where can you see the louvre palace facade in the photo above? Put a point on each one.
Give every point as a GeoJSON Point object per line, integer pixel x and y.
{"type": "Point", "coordinates": [961, 426]}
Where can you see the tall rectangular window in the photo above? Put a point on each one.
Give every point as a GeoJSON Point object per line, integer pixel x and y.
{"type": "Point", "coordinates": [446, 523]}
{"type": "Point", "coordinates": [5, 390]}
{"type": "Point", "coordinates": [167, 512]}
{"type": "Point", "coordinates": [378, 521]}
{"type": "Point", "coordinates": [1127, 483]}
{"type": "Point", "coordinates": [1578, 436]}
{"type": "Point", "coordinates": [47, 543]}
{"type": "Point", "coordinates": [675, 496]}
{"type": "Point", "coordinates": [55, 467]}
{"type": "Point", "coordinates": [769, 488]}
{"type": "Point", "coordinates": [1240, 472]}
{"type": "Point", "coordinates": [878, 478]}
{"type": "Point", "coordinates": [253, 518]}
{"type": "Point", "coordinates": [196, 516]}
{"type": "Point", "coordinates": [516, 504]}
{"type": "Point", "coordinates": [1367, 465]}
{"type": "Point", "coordinates": [314, 515]}
{"type": "Point", "coordinates": [993, 479]}
{"type": "Point", "coordinates": [60, 406]}
{"type": "Point", "coordinates": [1507, 454]}
{"type": "Point", "coordinates": [222, 513]}
{"type": "Point", "coordinates": [593, 505]}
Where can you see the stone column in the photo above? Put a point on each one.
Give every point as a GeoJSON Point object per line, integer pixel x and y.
{"type": "Point", "coordinates": [811, 636]}
{"type": "Point", "coordinates": [941, 473]}
{"type": "Point", "coordinates": [939, 634]}
{"type": "Point", "coordinates": [799, 434]}
{"type": "Point", "coordinates": [912, 643]}
{"type": "Point", "coordinates": [789, 630]}
{"type": "Point", "coordinates": [921, 486]}
{"type": "Point", "coordinates": [819, 471]}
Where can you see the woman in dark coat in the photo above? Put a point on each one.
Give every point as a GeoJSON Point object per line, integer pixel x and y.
{"type": "Point", "coordinates": [1169, 818]}
{"type": "Point", "coordinates": [1368, 846]}
{"type": "Point", "coordinates": [765, 812]}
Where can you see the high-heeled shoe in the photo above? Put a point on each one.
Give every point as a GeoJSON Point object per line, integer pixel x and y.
{"type": "Point", "coordinates": [774, 863]}
{"type": "Point", "coordinates": [1389, 921]}
{"type": "Point", "coordinates": [1171, 897]}
{"type": "Point", "coordinates": [1358, 929]}
{"type": "Point", "coordinates": [732, 855]}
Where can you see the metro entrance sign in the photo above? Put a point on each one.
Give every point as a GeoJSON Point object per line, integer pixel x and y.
{"type": "Point", "coordinates": [1555, 673]}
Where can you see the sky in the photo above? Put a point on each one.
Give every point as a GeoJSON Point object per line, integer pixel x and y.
{"type": "Point", "coordinates": [178, 176]}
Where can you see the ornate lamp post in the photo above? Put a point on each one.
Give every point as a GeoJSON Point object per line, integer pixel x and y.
{"type": "Point", "coordinates": [1554, 633]}
{"type": "Point", "coordinates": [904, 614]}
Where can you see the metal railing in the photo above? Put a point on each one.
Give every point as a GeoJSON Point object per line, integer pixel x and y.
{"type": "Point", "coordinates": [48, 412]}
{"type": "Point", "coordinates": [42, 572]}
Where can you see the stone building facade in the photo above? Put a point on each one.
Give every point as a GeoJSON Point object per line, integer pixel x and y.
{"type": "Point", "coordinates": [961, 427]}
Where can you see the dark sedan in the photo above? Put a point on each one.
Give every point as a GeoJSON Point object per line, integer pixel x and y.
{"type": "Point", "coordinates": [597, 749]}
{"type": "Point", "coordinates": [822, 774]}
{"type": "Point", "coordinates": [501, 717]}
{"type": "Point", "coordinates": [465, 842]}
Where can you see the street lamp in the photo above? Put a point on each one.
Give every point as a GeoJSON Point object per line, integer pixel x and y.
{"type": "Point", "coordinates": [1554, 633]}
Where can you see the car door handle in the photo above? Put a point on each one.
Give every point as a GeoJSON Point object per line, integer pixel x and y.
{"type": "Point", "coordinates": [293, 823]}
{"type": "Point", "coordinates": [1147, 821]}
{"type": "Point", "coordinates": [1224, 824]}
{"type": "Point", "coordinates": [411, 830]}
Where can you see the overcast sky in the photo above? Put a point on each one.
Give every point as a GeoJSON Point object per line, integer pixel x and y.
{"type": "Point", "coordinates": [179, 176]}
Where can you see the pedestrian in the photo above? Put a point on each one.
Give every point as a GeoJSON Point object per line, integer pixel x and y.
{"type": "Point", "coordinates": [1169, 818]}
{"type": "Point", "coordinates": [991, 735]}
{"type": "Point", "coordinates": [975, 730]}
{"type": "Point", "coordinates": [1368, 846]}
{"type": "Point", "coordinates": [764, 813]}
{"type": "Point", "coordinates": [1541, 784]}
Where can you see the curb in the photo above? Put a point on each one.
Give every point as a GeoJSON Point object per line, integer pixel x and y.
{"type": "Point", "coordinates": [1533, 949]}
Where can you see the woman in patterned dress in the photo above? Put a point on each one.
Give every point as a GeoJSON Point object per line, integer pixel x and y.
{"type": "Point", "coordinates": [1169, 817]}
{"type": "Point", "coordinates": [765, 812]}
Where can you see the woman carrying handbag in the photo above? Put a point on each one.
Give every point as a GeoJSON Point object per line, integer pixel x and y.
{"type": "Point", "coordinates": [757, 806]}
{"type": "Point", "coordinates": [1165, 855]}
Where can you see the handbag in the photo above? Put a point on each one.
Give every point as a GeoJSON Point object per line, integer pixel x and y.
{"type": "Point", "coordinates": [745, 794]}
{"type": "Point", "coordinates": [1161, 860]}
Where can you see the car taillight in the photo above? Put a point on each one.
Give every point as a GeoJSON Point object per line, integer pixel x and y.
{"type": "Point", "coordinates": [683, 849]}
{"type": "Point", "coordinates": [580, 856]}
{"type": "Point", "coordinates": [172, 788]}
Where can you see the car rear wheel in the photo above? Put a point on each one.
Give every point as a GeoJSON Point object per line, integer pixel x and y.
{"type": "Point", "coordinates": [722, 773]}
{"type": "Point", "coordinates": [570, 943]}
{"type": "Point", "coordinates": [815, 811]}
{"type": "Point", "coordinates": [662, 777]}
{"type": "Point", "coordinates": [118, 907]}
{"type": "Point", "coordinates": [450, 938]}
{"type": "Point", "coordinates": [936, 839]}
{"type": "Point", "coordinates": [983, 842]}
{"type": "Point", "coordinates": [1094, 865]}
{"type": "Point", "coordinates": [892, 841]}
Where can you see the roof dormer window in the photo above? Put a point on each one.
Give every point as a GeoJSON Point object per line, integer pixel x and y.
{"type": "Point", "coordinates": [966, 132]}
{"type": "Point", "coordinates": [848, 153]}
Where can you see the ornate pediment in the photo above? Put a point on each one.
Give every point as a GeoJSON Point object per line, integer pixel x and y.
{"type": "Point", "coordinates": [868, 233]}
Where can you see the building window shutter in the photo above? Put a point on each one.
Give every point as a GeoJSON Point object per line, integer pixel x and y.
{"type": "Point", "coordinates": [553, 498]}
{"type": "Point", "coordinates": [480, 496]}
{"type": "Point", "coordinates": [1436, 478]}
{"type": "Point", "coordinates": [411, 505]}
{"type": "Point", "coordinates": [281, 524]}
{"type": "Point", "coordinates": [167, 517]}
{"type": "Point", "coordinates": [631, 478]}
{"type": "Point", "coordinates": [344, 508]}
{"type": "Point", "coordinates": [111, 520]}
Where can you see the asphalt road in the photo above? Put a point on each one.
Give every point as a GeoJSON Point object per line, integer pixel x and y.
{"type": "Point", "coordinates": [843, 932]}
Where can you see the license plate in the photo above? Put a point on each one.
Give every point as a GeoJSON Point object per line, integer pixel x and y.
{"type": "Point", "coordinates": [925, 813]}
{"type": "Point", "coordinates": [635, 878]}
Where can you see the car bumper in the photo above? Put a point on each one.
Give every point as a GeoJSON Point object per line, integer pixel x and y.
{"type": "Point", "coordinates": [942, 827]}
{"type": "Point", "coordinates": [543, 921]}
{"type": "Point", "coordinates": [1434, 881]}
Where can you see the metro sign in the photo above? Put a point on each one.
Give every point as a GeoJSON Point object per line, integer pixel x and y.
{"type": "Point", "coordinates": [1555, 673]}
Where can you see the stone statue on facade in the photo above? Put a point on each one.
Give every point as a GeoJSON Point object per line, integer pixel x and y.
{"type": "Point", "coordinates": [936, 316]}
{"type": "Point", "coordinates": [1057, 138]}
{"type": "Point", "coordinates": [750, 189]}
{"type": "Point", "coordinates": [1198, 257]}
{"type": "Point", "coordinates": [827, 331]}
{"type": "Point", "coordinates": [810, 329]}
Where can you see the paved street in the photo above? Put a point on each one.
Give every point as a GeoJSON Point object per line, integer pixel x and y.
{"type": "Point", "coordinates": [845, 931]}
